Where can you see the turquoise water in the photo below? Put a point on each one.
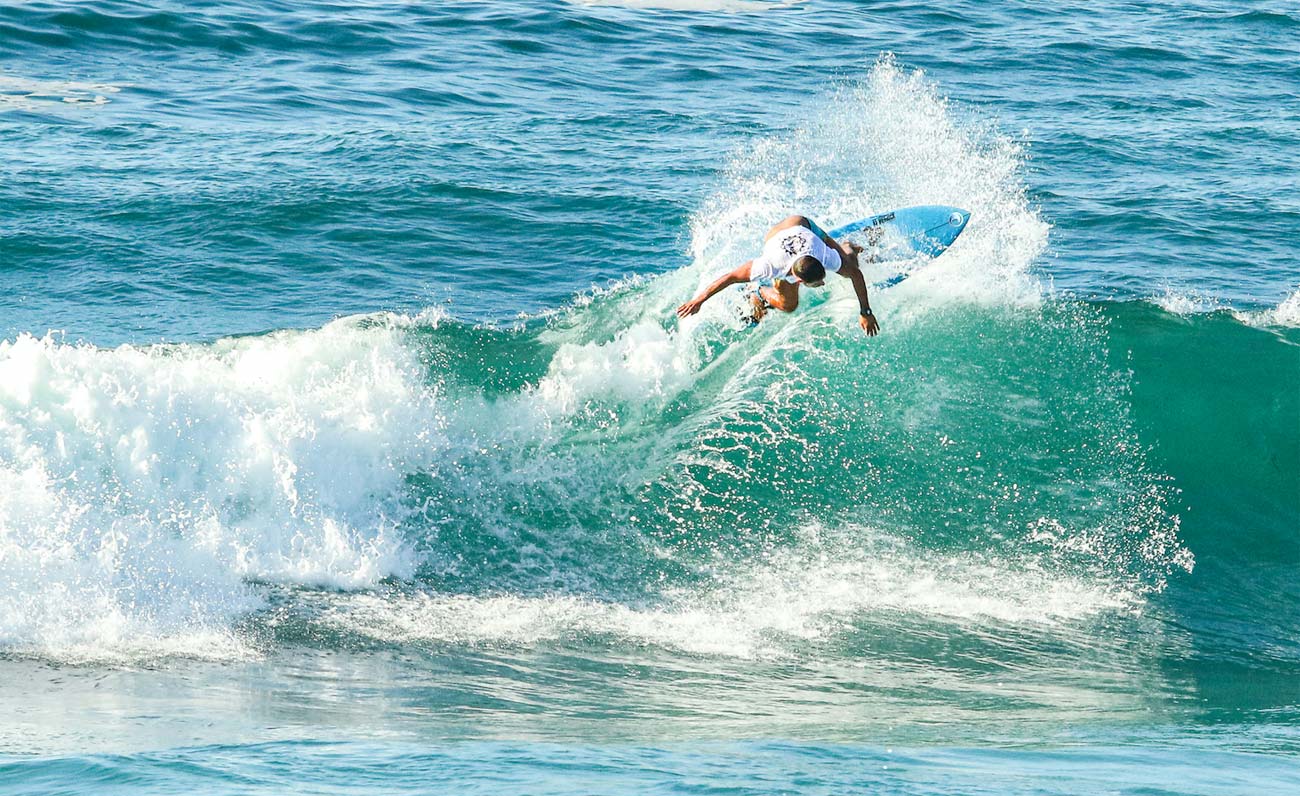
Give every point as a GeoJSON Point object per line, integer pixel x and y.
{"type": "Point", "coordinates": [349, 443]}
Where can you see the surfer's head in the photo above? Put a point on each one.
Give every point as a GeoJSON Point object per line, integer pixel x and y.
{"type": "Point", "coordinates": [809, 270]}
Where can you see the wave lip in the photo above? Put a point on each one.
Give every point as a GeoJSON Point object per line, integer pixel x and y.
{"type": "Point", "coordinates": [1285, 314]}
{"type": "Point", "coordinates": [1186, 302]}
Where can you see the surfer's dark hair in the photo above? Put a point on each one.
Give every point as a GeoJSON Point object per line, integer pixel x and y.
{"type": "Point", "coordinates": [809, 269]}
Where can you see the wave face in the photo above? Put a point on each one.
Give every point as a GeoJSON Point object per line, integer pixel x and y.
{"type": "Point", "coordinates": [602, 473]}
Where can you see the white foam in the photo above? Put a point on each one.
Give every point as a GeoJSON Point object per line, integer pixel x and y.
{"type": "Point", "coordinates": [642, 363]}
{"type": "Point", "coordinates": [1186, 302]}
{"type": "Point", "coordinates": [140, 487]}
{"type": "Point", "coordinates": [1286, 314]}
{"type": "Point", "coordinates": [28, 93]}
{"type": "Point", "coordinates": [822, 587]}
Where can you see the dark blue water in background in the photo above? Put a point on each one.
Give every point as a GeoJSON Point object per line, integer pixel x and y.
{"type": "Point", "coordinates": [268, 165]}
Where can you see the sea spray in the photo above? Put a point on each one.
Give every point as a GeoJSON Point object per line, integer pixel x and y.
{"type": "Point", "coordinates": [887, 141]}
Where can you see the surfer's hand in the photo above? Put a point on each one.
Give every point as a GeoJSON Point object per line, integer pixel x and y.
{"type": "Point", "coordinates": [690, 308]}
{"type": "Point", "coordinates": [869, 325]}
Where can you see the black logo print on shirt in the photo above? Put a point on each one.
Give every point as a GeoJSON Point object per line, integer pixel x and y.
{"type": "Point", "coordinates": [795, 244]}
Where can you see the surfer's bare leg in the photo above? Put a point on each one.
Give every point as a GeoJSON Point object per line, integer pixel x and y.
{"type": "Point", "coordinates": [783, 296]}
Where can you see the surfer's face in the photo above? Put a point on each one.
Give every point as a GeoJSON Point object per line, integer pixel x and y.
{"type": "Point", "coordinates": [817, 283]}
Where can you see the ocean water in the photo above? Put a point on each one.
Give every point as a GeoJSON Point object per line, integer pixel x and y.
{"type": "Point", "coordinates": [349, 442]}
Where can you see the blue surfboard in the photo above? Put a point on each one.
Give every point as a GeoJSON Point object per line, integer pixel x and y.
{"type": "Point", "coordinates": [925, 230]}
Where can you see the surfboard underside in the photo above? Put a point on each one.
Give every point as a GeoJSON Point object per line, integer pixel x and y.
{"type": "Point", "coordinates": [899, 234]}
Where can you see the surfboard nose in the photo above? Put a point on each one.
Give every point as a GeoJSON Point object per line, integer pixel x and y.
{"type": "Point", "coordinates": [942, 225]}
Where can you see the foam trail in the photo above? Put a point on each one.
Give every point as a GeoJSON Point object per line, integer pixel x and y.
{"type": "Point", "coordinates": [644, 362]}
{"type": "Point", "coordinates": [814, 591]}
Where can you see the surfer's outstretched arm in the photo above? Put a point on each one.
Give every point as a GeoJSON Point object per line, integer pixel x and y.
{"type": "Point", "coordinates": [866, 318]}
{"type": "Point", "coordinates": [740, 274]}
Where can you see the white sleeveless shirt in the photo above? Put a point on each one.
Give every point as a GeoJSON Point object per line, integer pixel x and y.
{"type": "Point", "coordinates": [785, 247]}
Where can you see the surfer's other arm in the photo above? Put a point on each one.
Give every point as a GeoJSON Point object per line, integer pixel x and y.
{"type": "Point", "coordinates": [850, 271]}
{"type": "Point", "coordinates": [734, 277]}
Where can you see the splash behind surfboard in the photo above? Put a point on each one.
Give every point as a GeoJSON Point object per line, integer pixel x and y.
{"type": "Point", "coordinates": [925, 230]}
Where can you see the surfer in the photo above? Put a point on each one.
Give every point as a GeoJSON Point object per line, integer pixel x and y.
{"type": "Point", "coordinates": [795, 252]}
